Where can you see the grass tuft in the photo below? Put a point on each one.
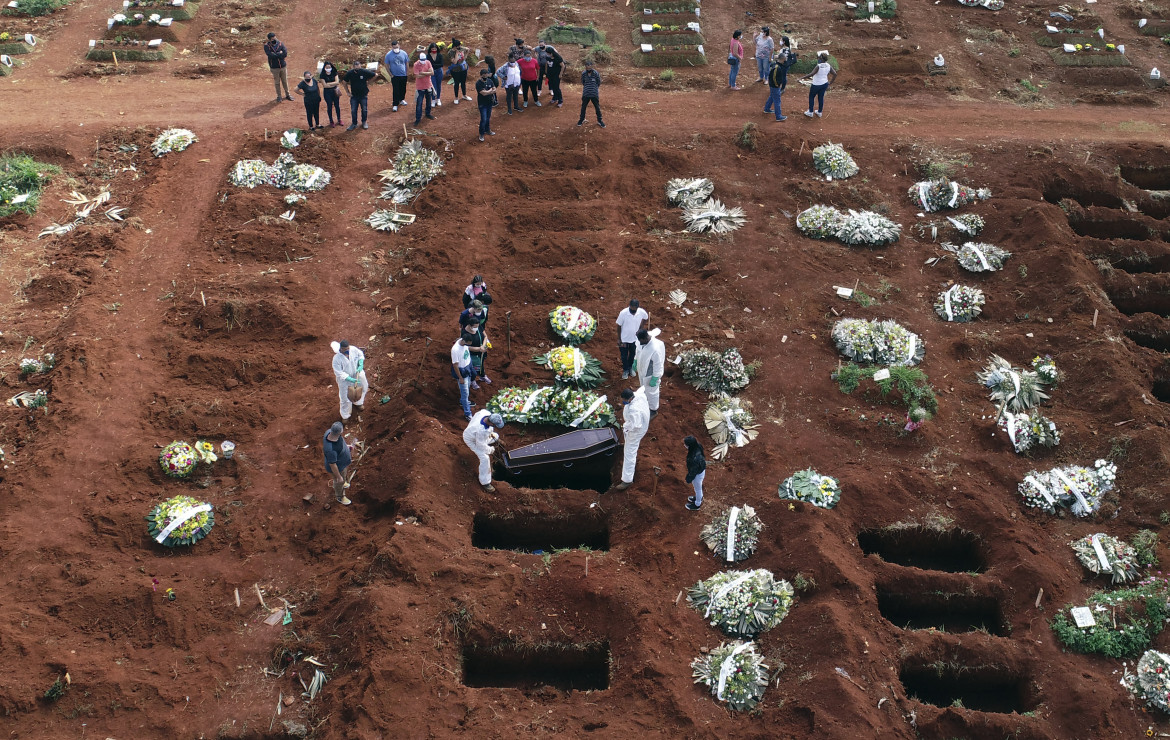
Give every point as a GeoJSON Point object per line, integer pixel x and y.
{"type": "Point", "coordinates": [20, 173]}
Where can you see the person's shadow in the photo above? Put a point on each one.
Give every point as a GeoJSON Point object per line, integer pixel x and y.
{"type": "Point", "coordinates": [260, 110]}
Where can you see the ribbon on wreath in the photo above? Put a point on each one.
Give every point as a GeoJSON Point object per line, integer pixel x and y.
{"type": "Point", "coordinates": [725, 590]}
{"type": "Point", "coordinates": [587, 414]}
{"type": "Point", "coordinates": [726, 669]}
{"type": "Point", "coordinates": [180, 519]}
{"type": "Point", "coordinates": [732, 521]}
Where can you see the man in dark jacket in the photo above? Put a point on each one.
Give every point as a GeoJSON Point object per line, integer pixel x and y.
{"type": "Point", "coordinates": [778, 78]}
{"type": "Point", "coordinates": [552, 70]}
{"type": "Point", "coordinates": [277, 63]}
{"type": "Point", "coordinates": [590, 93]}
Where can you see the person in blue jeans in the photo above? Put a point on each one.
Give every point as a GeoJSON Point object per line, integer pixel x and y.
{"type": "Point", "coordinates": [822, 76]}
{"type": "Point", "coordinates": [778, 80]}
{"type": "Point", "coordinates": [461, 371]}
{"type": "Point", "coordinates": [356, 83]}
{"type": "Point", "coordinates": [435, 57]}
{"type": "Point", "coordinates": [485, 92]}
{"type": "Point", "coordinates": [734, 57]}
{"type": "Point", "coordinates": [696, 471]}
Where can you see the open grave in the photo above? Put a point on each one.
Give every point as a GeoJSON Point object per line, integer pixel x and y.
{"type": "Point", "coordinates": [540, 532]}
{"type": "Point", "coordinates": [952, 550]}
{"type": "Point", "coordinates": [562, 665]}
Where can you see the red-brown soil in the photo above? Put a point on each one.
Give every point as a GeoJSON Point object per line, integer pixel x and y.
{"type": "Point", "coordinates": [206, 317]}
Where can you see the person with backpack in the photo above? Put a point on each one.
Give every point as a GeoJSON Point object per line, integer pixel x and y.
{"type": "Point", "coordinates": [590, 93]}
{"type": "Point", "coordinates": [778, 78]}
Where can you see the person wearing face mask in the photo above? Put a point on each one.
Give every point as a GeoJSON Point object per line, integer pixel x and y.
{"type": "Point", "coordinates": [696, 471]}
{"type": "Point", "coordinates": [311, 89]}
{"type": "Point", "coordinates": [473, 319]}
{"type": "Point", "coordinates": [485, 91]}
{"type": "Point", "coordinates": [635, 422]}
{"type": "Point", "coordinates": [435, 57]}
{"type": "Point", "coordinates": [349, 367]}
{"type": "Point", "coordinates": [554, 68]}
{"type": "Point", "coordinates": [529, 74]}
{"type": "Point", "coordinates": [457, 69]}
{"type": "Point", "coordinates": [357, 85]}
{"type": "Point", "coordinates": [396, 61]}
{"type": "Point", "coordinates": [629, 324]}
{"type": "Point", "coordinates": [329, 89]}
{"type": "Point", "coordinates": [511, 72]}
{"type": "Point", "coordinates": [650, 363]}
{"type": "Point", "coordinates": [423, 72]}
{"type": "Point", "coordinates": [542, 66]}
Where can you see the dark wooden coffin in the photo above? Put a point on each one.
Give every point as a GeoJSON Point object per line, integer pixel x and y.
{"type": "Point", "coordinates": [585, 452]}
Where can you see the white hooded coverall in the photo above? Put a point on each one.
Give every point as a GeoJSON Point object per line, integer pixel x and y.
{"type": "Point", "coordinates": [347, 366]}
{"type": "Point", "coordinates": [636, 420]}
{"type": "Point", "coordinates": [651, 359]}
{"type": "Point", "coordinates": [479, 438]}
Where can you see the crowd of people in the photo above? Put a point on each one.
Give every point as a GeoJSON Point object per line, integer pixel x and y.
{"type": "Point", "coordinates": [523, 77]}
{"type": "Point", "coordinates": [772, 65]}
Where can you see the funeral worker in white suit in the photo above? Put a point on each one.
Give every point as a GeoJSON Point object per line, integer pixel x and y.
{"type": "Point", "coordinates": [480, 436]}
{"type": "Point", "coordinates": [651, 363]}
{"type": "Point", "coordinates": [635, 422]}
{"type": "Point", "coordinates": [349, 367]}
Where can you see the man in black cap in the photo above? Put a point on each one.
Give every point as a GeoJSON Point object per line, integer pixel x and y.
{"type": "Point", "coordinates": [337, 459]}
{"type": "Point", "coordinates": [277, 64]}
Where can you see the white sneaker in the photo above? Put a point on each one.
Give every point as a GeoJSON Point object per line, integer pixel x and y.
{"type": "Point", "coordinates": [438, 103]}
{"type": "Point", "coordinates": [396, 109]}
{"type": "Point", "coordinates": [809, 113]}
{"type": "Point", "coordinates": [820, 115]}
{"type": "Point", "coordinates": [456, 101]}
{"type": "Point", "coordinates": [467, 98]}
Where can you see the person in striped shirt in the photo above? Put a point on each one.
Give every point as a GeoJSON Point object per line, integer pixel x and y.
{"type": "Point", "coordinates": [590, 93]}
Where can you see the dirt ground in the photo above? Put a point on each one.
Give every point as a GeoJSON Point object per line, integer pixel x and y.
{"type": "Point", "coordinates": [204, 316]}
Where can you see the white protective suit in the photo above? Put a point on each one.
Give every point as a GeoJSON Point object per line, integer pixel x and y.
{"type": "Point", "coordinates": [480, 439]}
{"type": "Point", "coordinates": [636, 420]}
{"type": "Point", "coordinates": [347, 367]}
{"type": "Point", "coordinates": [651, 359]}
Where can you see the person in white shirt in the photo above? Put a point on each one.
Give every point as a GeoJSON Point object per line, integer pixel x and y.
{"type": "Point", "coordinates": [461, 371]}
{"type": "Point", "coordinates": [480, 437]}
{"type": "Point", "coordinates": [630, 323]}
{"type": "Point", "coordinates": [651, 363]}
{"type": "Point", "coordinates": [822, 76]}
{"type": "Point", "coordinates": [349, 369]}
{"type": "Point", "coordinates": [635, 422]}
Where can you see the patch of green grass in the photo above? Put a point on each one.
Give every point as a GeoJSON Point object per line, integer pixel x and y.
{"type": "Point", "coordinates": [1145, 543]}
{"type": "Point", "coordinates": [1164, 517]}
{"type": "Point", "coordinates": [883, 9]}
{"type": "Point", "coordinates": [684, 57]}
{"type": "Point", "coordinates": [807, 63]}
{"type": "Point", "coordinates": [1140, 615]}
{"type": "Point", "coordinates": [35, 7]}
{"type": "Point", "coordinates": [863, 299]}
{"type": "Point", "coordinates": [599, 54]}
{"type": "Point", "coordinates": [19, 174]}
{"type": "Point", "coordinates": [1089, 58]}
{"type": "Point", "coordinates": [913, 387]}
{"type": "Point", "coordinates": [666, 75]}
{"type": "Point", "coordinates": [748, 137]}
{"type": "Point", "coordinates": [560, 33]}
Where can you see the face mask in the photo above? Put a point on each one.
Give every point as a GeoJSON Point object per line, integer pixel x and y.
{"type": "Point", "coordinates": [328, 70]}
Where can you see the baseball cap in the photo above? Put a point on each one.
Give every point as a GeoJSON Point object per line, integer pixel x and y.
{"type": "Point", "coordinates": [496, 420]}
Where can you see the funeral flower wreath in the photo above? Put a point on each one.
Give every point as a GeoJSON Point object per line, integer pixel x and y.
{"type": "Point", "coordinates": [742, 603]}
{"type": "Point", "coordinates": [572, 367]}
{"type": "Point", "coordinates": [714, 372]}
{"type": "Point", "coordinates": [878, 342]}
{"type": "Point", "coordinates": [813, 488]}
{"type": "Point", "coordinates": [172, 140]}
{"type": "Point", "coordinates": [1119, 561]}
{"type": "Point", "coordinates": [572, 324]}
{"type": "Point", "coordinates": [833, 161]}
{"type": "Point", "coordinates": [735, 673]}
{"type": "Point", "coordinates": [1075, 487]}
{"type": "Point", "coordinates": [959, 303]}
{"type": "Point", "coordinates": [182, 519]}
{"type": "Point", "coordinates": [545, 405]}
{"type": "Point", "coordinates": [739, 527]}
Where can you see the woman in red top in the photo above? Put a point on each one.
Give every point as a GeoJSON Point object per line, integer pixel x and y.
{"type": "Point", "coordinates": [423, 79]}
{"type": "Point", "coordinates": [734, 57]}
{"type": "Point", "coordinates": [529, 75]}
